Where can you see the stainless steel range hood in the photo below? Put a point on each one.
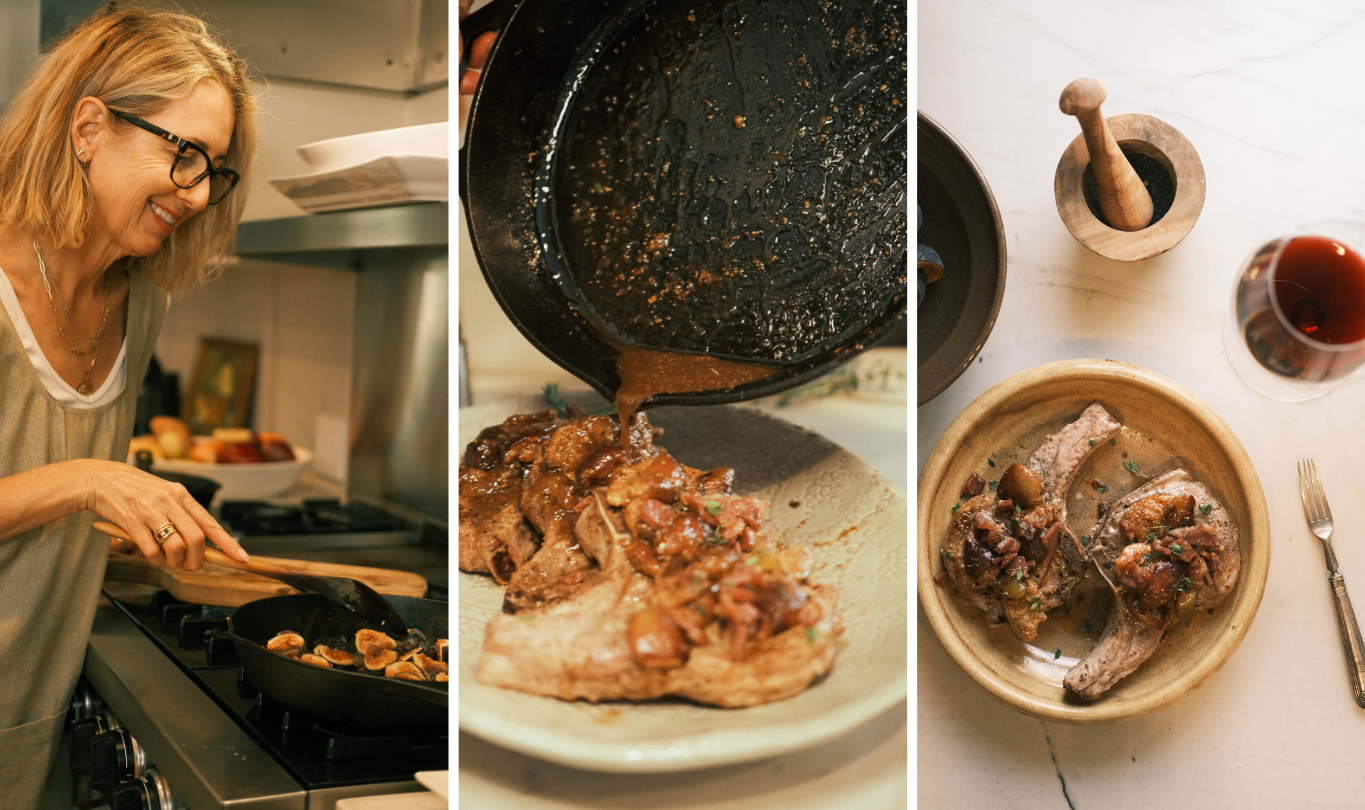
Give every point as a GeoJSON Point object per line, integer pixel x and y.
{"type": "Point", "coordinates": [398, 46]}
{"type": "Point", "coordinates": [399, 420]}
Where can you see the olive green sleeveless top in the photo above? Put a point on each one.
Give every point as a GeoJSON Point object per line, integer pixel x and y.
{"type": "Point", "coordinates": [50, 577]}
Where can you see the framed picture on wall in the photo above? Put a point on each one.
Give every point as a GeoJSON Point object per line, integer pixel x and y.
{"type": "Point", "coordinates": [221, 386]}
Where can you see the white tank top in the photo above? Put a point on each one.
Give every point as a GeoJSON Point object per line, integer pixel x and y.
{"type": "Point", "coordinates": [55, 385]}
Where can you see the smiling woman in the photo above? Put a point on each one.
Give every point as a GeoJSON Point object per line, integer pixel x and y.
{"type": "Point", "coordinates": [118, 163]}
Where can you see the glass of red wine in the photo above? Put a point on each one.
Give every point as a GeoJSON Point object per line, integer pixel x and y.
{"type": "Point", "coordinates": [1297, 325]}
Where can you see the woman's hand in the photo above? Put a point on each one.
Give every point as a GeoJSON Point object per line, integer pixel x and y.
{"type": "Point", "coordinates": [140, 503]}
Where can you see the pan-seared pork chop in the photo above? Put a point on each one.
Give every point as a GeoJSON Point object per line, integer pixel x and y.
{"type": "Point", "coordinates": [1168, 548]}
{"type": "Point", "coordinates": [1010, 551]}
{"type": "Point", "coordinates": [629, 637]}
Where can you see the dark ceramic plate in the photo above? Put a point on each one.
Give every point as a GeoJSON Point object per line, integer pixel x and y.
{"type": "Point", "coordinates": [962, 223]}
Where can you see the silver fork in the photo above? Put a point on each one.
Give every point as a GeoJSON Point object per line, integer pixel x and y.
{"type": "Point", "coordinates": [1320, 523]}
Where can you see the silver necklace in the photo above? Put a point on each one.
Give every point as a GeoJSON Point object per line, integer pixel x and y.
{"type": "Point", "coordinates": [86, 388]}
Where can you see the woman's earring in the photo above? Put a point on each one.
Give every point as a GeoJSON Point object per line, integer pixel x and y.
{"type": "Point", "coordinates": [80, 150]}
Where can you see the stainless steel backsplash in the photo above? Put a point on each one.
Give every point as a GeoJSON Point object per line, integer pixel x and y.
{"type": "Point", "coordinates": [400, 388]}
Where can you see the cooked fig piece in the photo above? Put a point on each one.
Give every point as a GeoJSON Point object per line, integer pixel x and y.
{"type": "Point", "coordinates": [430, 665]}
{"type": "Point", "coordinates": [405, 670]}
{"type": "Point", "coordinates": [339, 657]}
{"type": "Point", "coordinates": [442, 644]}
{"type": "Point", "coordinates": [285, 641]}
{"type": "Point", "coordinates": [316, 660]}
{"type": "Point", "coordinates": [656, 640]}
{"type": "Point", "coordinates": [1021, 485]}
{"type": "Point", "coordinates": [378, 658]}
{"type": "Point", "coordinates": [441, 677]}
{"type": "Point", "coordinates": [365, 640]}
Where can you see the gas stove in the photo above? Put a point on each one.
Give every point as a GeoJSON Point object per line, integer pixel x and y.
{"type": "Point", "coordinates": [168, 677]}
{"type": "Point", "coordinates": [316, 523]}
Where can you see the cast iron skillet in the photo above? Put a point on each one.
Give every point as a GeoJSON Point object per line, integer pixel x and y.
{"type": "Point", "coordinates": [369, 701]}
{"type": "Point", "coordinates": [746, 140]}
{"type": "Point", "coordinates": [962, 223]}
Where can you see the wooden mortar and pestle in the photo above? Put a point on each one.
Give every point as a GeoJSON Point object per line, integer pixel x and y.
{"type": "Point", "coordinates": [1105, 201]}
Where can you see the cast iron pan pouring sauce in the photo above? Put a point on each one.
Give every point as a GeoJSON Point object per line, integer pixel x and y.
{"type": "Point", "coordinates": [730, 193]}
{"type": "Point", "coordinates": [718, 190]}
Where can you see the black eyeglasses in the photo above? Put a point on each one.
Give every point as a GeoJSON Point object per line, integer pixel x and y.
{"type": "Point", "coordinates": [191, 163]}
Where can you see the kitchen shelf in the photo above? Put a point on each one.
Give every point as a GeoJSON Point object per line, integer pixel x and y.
{"type": "Point", "coordinates": [341, 239]}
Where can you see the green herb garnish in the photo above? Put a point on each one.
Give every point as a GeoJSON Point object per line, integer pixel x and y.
{"type": "Point", "coordinates": [1094, 442]}
{"type": "Point", "coordinates": [1206, 508]}
{"type": "Point", "coordinates": [992, 463]}
{"type": "Point", "coordinates": [1132, 466]}
{"type": "Point", "coordinates": [992, 485]}
{"type": "Point", "coordinates": [1019, 575]}
{"type": "Point", "coordinates": [751, 561]}
{"type": "Point", "coordinates": [1035, 602]}
{"type": "Point", "coordinates": [713, 507]}
{"type": "Point", "coordinates": [1183, 585]}
{"type": "Point", "coordinates": [1177, 548]}
{"type": "Point", "coordinates": [1085, 540]}
{"type": "Point", "coordinates": [811, 635]}
{"type": "Point", "coordinates": [956, 507]}
{"type": "Point", "coordinates": [1111, 443]}
{"type": "Point", "coordinates": [1058, 654]}
{"type": "Point", "coordinates": [1102, 488]}
{"type": "Point", "coordinates": [1080, 598]}
{"type": "Point", "coordinates": [1085, 628]}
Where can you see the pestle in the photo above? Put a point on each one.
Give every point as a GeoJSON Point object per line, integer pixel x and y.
{"type": "Point", "coordinates": [1123, 198]}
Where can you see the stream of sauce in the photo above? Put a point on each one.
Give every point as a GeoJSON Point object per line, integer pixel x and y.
{"type": "Point", "coordinates": [647, 373]}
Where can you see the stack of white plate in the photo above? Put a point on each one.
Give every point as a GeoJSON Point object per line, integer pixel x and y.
{"type": "Point", "coordinates": [390, 167]}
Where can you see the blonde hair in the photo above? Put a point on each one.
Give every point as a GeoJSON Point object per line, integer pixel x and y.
{"type": "Point", "coordinates": [135, 60]}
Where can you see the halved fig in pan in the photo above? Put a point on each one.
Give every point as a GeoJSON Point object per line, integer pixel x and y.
{"type": "Point", "coordinates": [377, 659]}
{"type": "Point", "coordinates": [365, 640]}
{"type": "Point", "coordinates": [430, 665]}
{"type": "Point", "coordinates": [286, 642]}
{"type": "Point", "coordinates": [339, 657]}
{"type": "Point", "coordinates": [405, 670]}
{"type": "Point", "coordinates": [441, 677]}
{"type": "Point", "coordinates": [316, 660]}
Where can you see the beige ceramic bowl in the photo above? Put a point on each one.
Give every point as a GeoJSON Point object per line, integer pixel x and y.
{"type": "Point", "coordinates": [1164, 426]}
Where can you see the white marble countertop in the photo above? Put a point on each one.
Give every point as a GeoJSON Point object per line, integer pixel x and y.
{"type": "Point", "coordinates": [1270, 95]}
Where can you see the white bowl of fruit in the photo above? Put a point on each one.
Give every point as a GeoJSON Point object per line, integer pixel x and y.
{"type": "Point", "coordinates": [248, 465]}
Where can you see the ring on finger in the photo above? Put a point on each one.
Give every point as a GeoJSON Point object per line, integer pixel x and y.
{"type": "Point", "coordinates": [165, 531]}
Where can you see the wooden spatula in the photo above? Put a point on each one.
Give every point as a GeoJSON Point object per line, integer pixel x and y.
{"type": "Point", "coordinates": [351, 594]}
{"type": "Point", "coordinates": [1124, 200]}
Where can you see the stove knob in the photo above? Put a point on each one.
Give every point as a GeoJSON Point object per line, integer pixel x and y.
{"type": "Point", "coordinates": [149, 792]}
{"type": "Point", "coordinates": [221, 651]}
{"type": "Point", "coordinates": [114, 757]}
{"type": "Point", "coordinates": [85, 703]}
{"type": "Point", "coordinates": [82, 738]}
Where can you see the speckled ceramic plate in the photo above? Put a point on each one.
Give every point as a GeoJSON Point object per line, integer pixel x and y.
{"type": "Point", "coordinates": [1163, 426]}
{"type": "Point", "coordinates": [854, 522]}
